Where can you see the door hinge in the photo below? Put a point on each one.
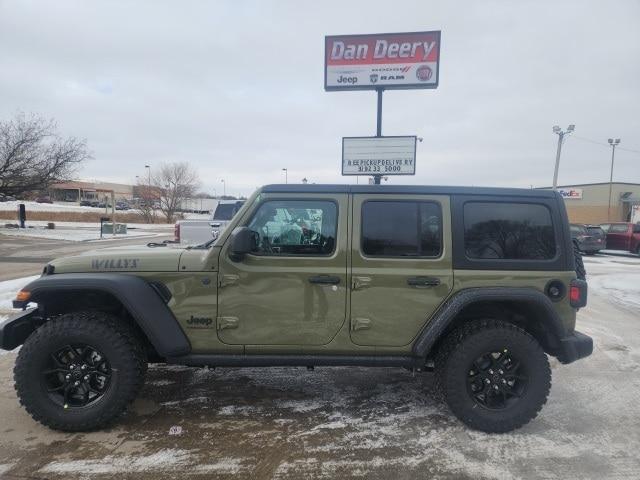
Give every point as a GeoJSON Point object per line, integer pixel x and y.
{"type": "Point", "coordinates": [358, 283]}
{"type": "Point", "coordinates": [225, 323]}
{"type": "Point", "coordinates": [228, 279]}
{"type": "Point", "coordinates": [360, 324]}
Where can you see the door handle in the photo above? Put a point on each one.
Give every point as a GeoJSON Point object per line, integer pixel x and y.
{"type": "Point", "coordinates": [325, 279]}
{"type": "Point", "coordinates": [423, 281]}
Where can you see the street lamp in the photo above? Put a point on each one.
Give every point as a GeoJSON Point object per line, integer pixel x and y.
{"type": "Point", "coordinates": [148, 167]}
{"type": "Point", "coordinates": [614, 144]}
{"type": "Point", "coordinates": [286, 175]}
{"type": "Point", "coordinates": [561, 134]}
{"type": "Point", "coordinates": [224, 188]}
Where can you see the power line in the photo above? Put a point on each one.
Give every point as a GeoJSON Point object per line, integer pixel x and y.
{"type": "Point", "coordinates": [603, 144]}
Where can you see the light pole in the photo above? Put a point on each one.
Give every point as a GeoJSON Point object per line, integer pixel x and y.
{"type": "Point", "coordinates": [148, 167]}
{"type": "Point", "coordinates": [286, 175]}
{"type": "Point", "coordinates": [558, 131]}
{"type": "Point", "coordinates": [224, 188]}
{"type": "Point", "coordinates": [614, 144]}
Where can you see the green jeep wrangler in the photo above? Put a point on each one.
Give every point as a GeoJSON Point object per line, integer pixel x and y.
{"type": "Point", "coordinates": [477, 284]}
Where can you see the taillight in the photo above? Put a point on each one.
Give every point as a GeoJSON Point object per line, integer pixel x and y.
{"type": "Point", "coordinates": [578, 293]}
{"type": "Point", "coordinates": [176, 232]}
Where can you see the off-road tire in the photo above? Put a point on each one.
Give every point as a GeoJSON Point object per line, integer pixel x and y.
{"type": "Point", "coordinates": [452, 365]}
{"type": "Point", "coordinates": [111, 336]}
{"type": "Point", "coordinates": [581, 272]}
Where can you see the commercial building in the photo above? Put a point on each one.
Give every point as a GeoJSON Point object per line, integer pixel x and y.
{"type": "Point", "coordinates": [589, 202]}
{"type": "Point", "coordinates": [77, 191]}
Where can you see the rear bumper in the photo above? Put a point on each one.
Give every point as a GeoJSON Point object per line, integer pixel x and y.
{"type": "Point", "coordinates": [575, 346]}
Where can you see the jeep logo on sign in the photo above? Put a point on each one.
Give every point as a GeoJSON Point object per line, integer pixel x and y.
{"type": "Point", "coordinates": [343, 79]}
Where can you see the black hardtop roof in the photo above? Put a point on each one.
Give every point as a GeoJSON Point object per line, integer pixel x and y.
{"type": "Point", "coordinates": [408, 189]}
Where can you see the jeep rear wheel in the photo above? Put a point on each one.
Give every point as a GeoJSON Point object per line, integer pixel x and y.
{"type": "Point", "coordinates": [494, 376]}
{"type": "Point", "coordinates": [79, 371]}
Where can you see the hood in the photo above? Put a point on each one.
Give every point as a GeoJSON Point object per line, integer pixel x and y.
{"type": "Point", "coordinates": [122, 259]}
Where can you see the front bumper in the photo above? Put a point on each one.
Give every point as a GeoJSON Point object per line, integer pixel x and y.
{"type": "Point", "coordinates": [15, 330]}
{"type": "Point", "coordinates": [575, 346]}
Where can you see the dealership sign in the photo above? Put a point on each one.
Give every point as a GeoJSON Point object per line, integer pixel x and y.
{"type": "Point", "coordinates": [387, 61]}
{"type": "Point", "coordinates": [571, 193]}
{"type": "Point", "coordinates": [379, 155]}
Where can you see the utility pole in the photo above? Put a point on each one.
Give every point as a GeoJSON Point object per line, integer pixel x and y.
{"type": "Point", "coordinates": [224, 188]}
{"type": "Point", "coordinates": [614, 144]}
{"type": "Point", "coordinates": [286, 175]}
{"type": "Point", "coordinates": [561, 134]}
{"type": "Point", "coordinates": [377, 178]}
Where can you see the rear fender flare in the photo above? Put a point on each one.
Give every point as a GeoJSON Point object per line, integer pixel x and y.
{"type": "Point", "coordinates": [456, 303]}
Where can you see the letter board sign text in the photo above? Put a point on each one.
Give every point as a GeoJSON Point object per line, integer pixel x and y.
{"type": "Point", "coordinates": [379, 155]}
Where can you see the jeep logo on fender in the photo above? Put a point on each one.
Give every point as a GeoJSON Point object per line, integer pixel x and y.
{"type": "Point", "coordinates": [115, 264]}
{"type": "Point", "coordinates": [202, 322]}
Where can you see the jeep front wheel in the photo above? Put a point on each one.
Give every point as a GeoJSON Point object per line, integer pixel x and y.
{"type": "Point", "coordinates": [79, 371]}
{"type": "Point", "coordinates": [494, 376]}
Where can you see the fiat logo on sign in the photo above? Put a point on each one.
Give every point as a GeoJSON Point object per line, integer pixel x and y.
{"type": "Point", "coordinates": [424, 73]}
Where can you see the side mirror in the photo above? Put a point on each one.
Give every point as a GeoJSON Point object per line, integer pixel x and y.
{"type": "Point", "coordinates": [242, 242]}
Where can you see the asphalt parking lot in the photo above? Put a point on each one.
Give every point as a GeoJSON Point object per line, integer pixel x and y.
{"type": "Point", "coordinates": [288, 423]}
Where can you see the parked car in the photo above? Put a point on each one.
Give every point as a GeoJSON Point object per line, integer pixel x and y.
{"type": "Point", "coordinates": [44, 200]}
{"type": "Point", "coordinates": [196, 232]}
{"type": "Point", "coordinates": [589, 239]}
{"type": "Point", "coordinates": [122, 206]}
{"type": "Point", "coordinates": [85, 203]}
{"type": "Point", "coordinates": [624, 236]}
{"type": "Point", "coordinates": [480, 285]}
{"type": "Point", "coordinates": [7, 198]}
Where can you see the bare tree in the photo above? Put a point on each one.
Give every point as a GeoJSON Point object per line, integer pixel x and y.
{"type": "Point", "coordinates": [174, 183]}
{"type": "Point", "coordinates": [33, 155]}
{"type": "Point", "coordinates": [148, 200]}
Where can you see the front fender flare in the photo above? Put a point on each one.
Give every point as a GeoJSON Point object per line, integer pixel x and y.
{"type": "Point", "coordinates": [137, 296]}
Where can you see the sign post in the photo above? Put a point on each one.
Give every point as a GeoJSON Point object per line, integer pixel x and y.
{"type": "Point", "coordinates": [387, 61]}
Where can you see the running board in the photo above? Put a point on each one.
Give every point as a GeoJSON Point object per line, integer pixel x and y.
{"type": "Point", "coordinates": [200, 360]}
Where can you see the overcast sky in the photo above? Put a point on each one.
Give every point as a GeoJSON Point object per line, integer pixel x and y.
{"type": "Point", "coordinates": [236, 88]}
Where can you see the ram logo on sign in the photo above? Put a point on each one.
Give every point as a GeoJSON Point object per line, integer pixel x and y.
{"type": "Point", "coordinates": [571, 193]}
{"type": "Point", "coordinates": [388, 60]}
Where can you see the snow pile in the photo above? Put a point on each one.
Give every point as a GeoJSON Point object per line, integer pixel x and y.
{"type": "Point", "coordinates": [622, 288]}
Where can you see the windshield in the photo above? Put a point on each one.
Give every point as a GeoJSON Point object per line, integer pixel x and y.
{"type": "Point", "coordinates": [226, 211]}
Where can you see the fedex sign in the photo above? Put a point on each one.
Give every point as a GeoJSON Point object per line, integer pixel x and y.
{"type": "Point", "coordinates": [388, 61]}
{"type": "Point", "coordinates": [571, 193]}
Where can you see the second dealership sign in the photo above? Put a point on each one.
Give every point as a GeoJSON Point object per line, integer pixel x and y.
{"type": "Point", "coordinates": [388, 61]}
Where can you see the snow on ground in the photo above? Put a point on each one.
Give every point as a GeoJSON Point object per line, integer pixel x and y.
{"type": "Point", "coordinates": [621, 288]}
{"type": "Point", "coordinates": [74, 234]}
{"type": "Point", "coordinates": [95, 225]}
{"type": "Point", "coordinates": [46, 207]}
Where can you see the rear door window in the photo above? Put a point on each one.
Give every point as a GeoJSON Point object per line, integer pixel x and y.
{"type": "Point", "coordinates": [401, 229]}
{"type": "Point", "coordinates": [508, 231]}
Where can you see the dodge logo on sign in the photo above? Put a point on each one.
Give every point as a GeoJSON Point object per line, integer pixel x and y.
{"type": "Point", "coordinates": [360, 62]}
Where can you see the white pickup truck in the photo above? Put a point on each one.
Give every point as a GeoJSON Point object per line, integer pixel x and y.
{"type": "Point", "coordinates": [197, 232]}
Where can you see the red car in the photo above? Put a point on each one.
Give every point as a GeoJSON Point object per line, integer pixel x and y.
{"type": "Point", "coordinates": [623, 236]}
